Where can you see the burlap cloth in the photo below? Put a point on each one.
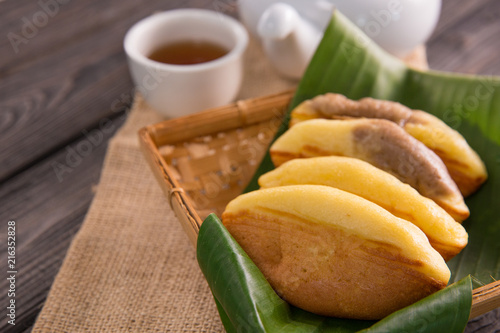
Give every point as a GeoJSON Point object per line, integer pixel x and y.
{"type": "Point", "coordinates": [131, 268]}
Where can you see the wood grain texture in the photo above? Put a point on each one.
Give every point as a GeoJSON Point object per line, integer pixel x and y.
{"type": "Point", "coordinates": [466, 39]}
{"type": "Point", "coordinates": [72, 73]}
{"type": "Point", "coordinates": [48, 211]}
{"type": "Point", "coordinates": [66, 76]}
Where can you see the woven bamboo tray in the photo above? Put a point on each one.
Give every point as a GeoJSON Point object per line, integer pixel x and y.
{"type": "Point", "coordinates": [204, 160]}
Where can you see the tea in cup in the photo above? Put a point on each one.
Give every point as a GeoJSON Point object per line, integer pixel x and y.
{"type": "Point", "coordinates": [186, 60]}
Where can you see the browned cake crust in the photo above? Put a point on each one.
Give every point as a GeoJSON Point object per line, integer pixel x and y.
{"type": "Point", "coordinates": [390, 148]}
{"type": "Point", "coordinates": [338, 106]}
{"type": "Point", "coordinates": [329, 271]}
{"type": "Point", "coordinates": [468, 174]}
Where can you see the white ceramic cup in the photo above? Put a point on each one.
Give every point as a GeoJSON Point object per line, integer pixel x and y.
{"type": "Point", "coordinates": [177, 90]}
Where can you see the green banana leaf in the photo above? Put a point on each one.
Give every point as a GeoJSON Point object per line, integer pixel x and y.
{"type": "Point", "coordinates": [347, 62]}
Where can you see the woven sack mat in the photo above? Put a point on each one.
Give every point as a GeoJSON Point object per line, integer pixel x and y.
{"type": "Point", "coordinates": [131, 268]}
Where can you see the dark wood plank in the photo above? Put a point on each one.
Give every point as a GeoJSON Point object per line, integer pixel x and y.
{"type": "Point", "coordinates": [66, 77]}
{"type": "Point", "coordinates": [470, 44]}
{"type": "Point", "coordinates": [487, 323]}
{"type": "Point", "coordinates": [67, 24]}
{"type": "Point", "coordinates": [456, 11]}
{"type": "Point", "coordinates": [35, 196]}
{"type": "Point", "coordinates": [48, 208]}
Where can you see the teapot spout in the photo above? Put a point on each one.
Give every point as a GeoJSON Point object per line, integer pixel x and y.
{"type": "Point", "coordinates": [289, 41]}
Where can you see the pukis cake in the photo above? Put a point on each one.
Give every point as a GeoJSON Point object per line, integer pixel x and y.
{"type": "Point", "coordinates": [334, 253]}
{"type": "Point", "coordinates": [381, 143]}
{"type": "Point", "coordinates": [355, 176]}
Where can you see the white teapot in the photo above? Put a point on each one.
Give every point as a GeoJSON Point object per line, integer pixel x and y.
{"type": "Point", "coordinates": [290, 30]}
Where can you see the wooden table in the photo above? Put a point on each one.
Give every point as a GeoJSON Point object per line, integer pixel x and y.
{"type": "Point", "coordinates": [63, 73]}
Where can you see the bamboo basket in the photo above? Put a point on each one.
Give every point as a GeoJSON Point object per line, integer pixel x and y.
{"type": "Point", "coordinates": [204, 160]}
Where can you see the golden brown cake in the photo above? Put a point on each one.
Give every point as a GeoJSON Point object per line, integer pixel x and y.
{"type": "Point", "coordinates": [463, 163]}
{"type": "Point", "coordinates": [381, 143]}
{"type": "Point", "coordinates": [333, 253]}
{"type": "Point", "coordinates": [355, 176]}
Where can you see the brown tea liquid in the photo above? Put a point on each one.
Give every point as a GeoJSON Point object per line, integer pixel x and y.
{"type": "Point", "coordinates": [187, 52]}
